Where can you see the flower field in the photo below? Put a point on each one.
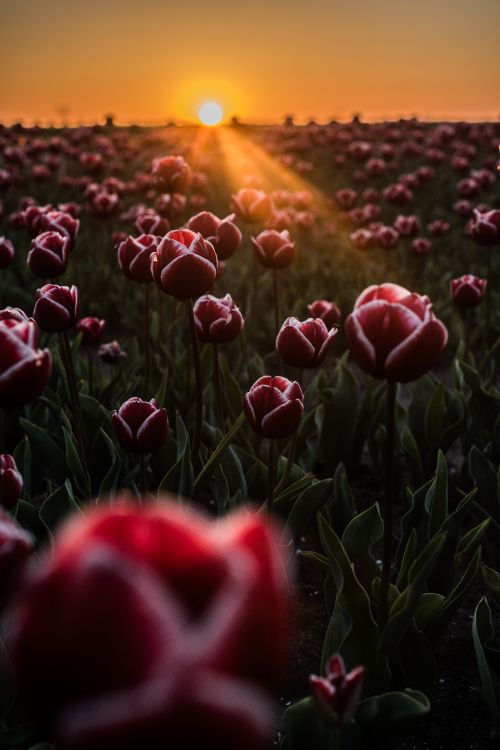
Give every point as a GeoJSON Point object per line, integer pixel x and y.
{"type": "Point", "coordinates": [250, 436]}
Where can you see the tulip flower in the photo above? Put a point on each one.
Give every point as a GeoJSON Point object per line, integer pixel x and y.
{"type": "Point", "coordinates": [91, 329]}
{"type": "Point", "coordinates": [6, 252]}
{"type": "Point", "coordinates": [56, 308]}
{"type": "Point", "coordinates": [104, 203]}
{"type": "Point", "coordinates": [111, 353]}
{"type": "Point", "coordinates": [48, 256]}
{"type": "Point", "coordinates": [148, 617]}
{"type": "Point", "coordinates": [11, 482]}
{"type": "Point", "coordinates": [274, 250]}
{"type": "Point", "coordinates": [468, 291]}
{"type": "Point", "coordinates": [273, 407]}
{"type": "Point", "coordinates": [252, 206]}
{"type": "Point", "coordinates": [172, 173]}
{"type": "Point", "coordinates": [407, 226]}
{"type": "Point", "coordinates": [217, 321]}
{"type": "Point", "coordinates": [420, 246]}
{"type": "Point", "coordinates": [304, 344]}
{"type": "Point", "coordinates": [484, 229]}
{"type": "Point", "coordinates": [140, 426]}
{"type": "Point", "coordinates": [338, 694]}
{"type": "Point", "coordinates": [149, 222]}
{"type": "Point", "coordinates": [24, 368]}
{"type": "Point", "coordinates": [329, 312]}
{"type": "Point", "coordinates": [393, 334]}
{"type": "Point", "coordinates": [57, 221]}
{"type": "Point", "coordinates": [16, 546]}
{"type": "Point", "coordinates": [224, 235]}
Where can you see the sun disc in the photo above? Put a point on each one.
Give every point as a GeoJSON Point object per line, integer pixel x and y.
{"type": "Point", "coordinates": [210, 113]}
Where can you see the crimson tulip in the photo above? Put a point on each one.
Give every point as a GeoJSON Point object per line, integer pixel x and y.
{"type": "Point", "coordinates": [338, 694]}
{"type": "Point", "coordinates": [172, 173]}
{"type": "Point", "coordinates": [147, 617]}
{"type": "Point", "coordinates": [56, 307]}
{"type": "Point", "coordinates": [224, 235]}
{"type": "Point", "coordinates": [48, 256]}
{"type": "Point", "coordinates": [485, 227]}
{"type": "Point", "coordinates": [304, 343]}
{"type": "Point", "coordinates": [24, 368]}
{"type": "Point", "coordinates": [252, 206]}
{"type": "Point", "coordinates": [393, 333]}
{"type": "Point", "coordinates": [134, 257]}
{"type": "Point", "coordinates": [468, 291]}
{"type": "Point", "coordinates": [184, 264]}
{"type": "Point", "coordinates": [218, 321]}
{"type": "Point", "coordinates": [140, 426]}
{"type": "Point", "coordinates": [11, 482]}
{"type": "Point", "coordinates": [6, 252]}
{"type": "Point", "coordinates": [274, 249]}
{"type": "Point", "coordinates": [91, 329]}
{"type": "Point", "coordinates": [329, 312]}
{"type": "Point", "coordinates": [274, 406]}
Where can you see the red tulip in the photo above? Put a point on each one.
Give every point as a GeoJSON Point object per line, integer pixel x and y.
{"type": "Point", "coordinates": [56, 307]}
{"type": "Point", "coordinates": [57, 221]}
{"type": "Point", "coordinates": [398, 194]}
{"type": "Point", "coordinates": [111, 353]}
{"type": "Point", "coordinates": [363, 238]}
{"type": "Point", "coordinates": [134, 257]}
{"type": "Point", "coordinates": [386, 237]}
{"type": "Point", "coordinates": [13, 313]}
{"type": "Point", "coordinates": [217, 321]}
{"type": "Point", "coordinates": [468, 290]}
{"type": "Point", "coordinates": [252, 205]}
{"type": "Point", "coordinates": [438, 227]}
{"type": "Point", "coordinates": [149, 222]}
{"type": "Point", "coordinates": [172, 173]}
{"type": "Point", "coordinates": [346, 198]}
{"type": "Point", "coordinates": [304, 343]}
{"type": "Point", "coordinates": [337, 695]}
{"type": "Point", "coordinates": [6, 252]}
{"type": "Point", "coordinates": [274, 249]}
{"type": "Point", "coordinates": [16, 546]}
{"type": "Point", "coordinates": [91, 329]}
{"type": "Point", "coordinates": [11, 482]}
{"type": "Point", "coordinates": [140, 426]}
{"type": "Point", "coordinates": [105, 203]}
{"type": "Point", "coordinates": [24, 368]}
{"type": "Point", "coordinates": [393, 334]}
{"type": "Point", "coordinates": [407, 226]}
{"type": "Point", "coordinates": [148, 617]}
{"type": "Point", "coordinates": [48, 256]}
{"type": "Point", "coordinates": [420, 246]}
{"type": "Point", "coordinates": [274, 406]}
{"type": "Point", "coordinates": [485, 227]}
{"type": "Point", "coordinates": [327, 311]}
{"type": "Point", "coordinates": [224, 235]}
{"type": "Point", "coordinates": [184, 264]}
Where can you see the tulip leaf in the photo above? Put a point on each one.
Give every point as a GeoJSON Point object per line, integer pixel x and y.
{"type": "Point", "coordinates": [436, 500]}
{"type": "Point", "coordinates": [80, 475]}
{"type": "Point", "coordinates": [45, 444]}
{"type": "Point", "coordinates": [342, 506]}
{"type": "Point", "coordinates": [358, 540]}
{"type": "Point", "coordinates": [434, 415]}
{"type": "Point", "coordinates": [488, 657]}
{"type": "Point", "coordinates": [308, 503]}
{"type": "Point", "coordinates": [56, 507]}
{"type": "Point", "coordinates": [216, 456]}
{"type": "Point", "coordinates": [110, 480]}
{"type": "Point", "coordinates": [392, 709]}
{"type": "Point", "coordinates": [491, 579]}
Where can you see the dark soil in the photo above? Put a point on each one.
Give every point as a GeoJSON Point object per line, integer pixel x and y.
{"type": "Point", "coordinates": [459, 718]}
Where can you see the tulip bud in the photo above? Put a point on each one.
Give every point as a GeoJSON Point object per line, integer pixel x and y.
{"type": "Point", "coordinates": [24, 368]}
{"type": "Point", "coordinates": [172, 173]}
{"type": "Point", "coordinates": [56, 308]}
{"type": "Point", "coordinates": [338, 694]}
{"type": "Point", "coordinates": [11, 482]}
{"type": "Point", "coordinates": [420, 246]}
{"type": "Point", "coordinates": [252, 206]}
{"type": "Point", "coordinates": [57, 221]}
{"type": "Point", "coordinates": [394, 334]}
{"type": "Point", "coordinates": [91, 329]}
{"type": "Point", "coordinates": [274, 406]}
{"type": "Point", "coordinates": [274, 249]}
{"type": "Point", "coordinates": [485, 227]}
{"type": "Point", "coordinates": [224, 235]}
{"type": "Point", "coordinates": [327, 311]}
{"type": "Point", "coordinates": [149, 222]}
{"type": "Point", "coordinates": [140, 426]}
{"type": "Point", "coordinates": [468, 291]}
{"type": "Point", "coordinates": [217, 321]}
{"type": "Point", "coordinates": [304, 344]}
{"type": "Point", "coordinates": [48, 256]}
{"type": "Point", "coordinates": [184, 264]}
{"type": "Point", "coordinates": [134, 257]}
{"type": "Point", "coordinates": [6, 252]}
{"type": "Point", "coordinates": [111, 353]}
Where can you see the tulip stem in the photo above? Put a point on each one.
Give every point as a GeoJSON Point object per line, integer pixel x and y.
{"type": "Point", "coordinates": [198, 381]}
{"type": "Point", "coordinates": [218, 387]}
{"type": "Point", "coordinates": [289, 464]}
{"type": "Point", "coordinates": [489, 279]}
{"type": "Point", "coordinates": [468, 330]}
{"type": "Point", "coordinates": [70, 374]}
{"type": "Point", "coordinates": [270, 477]}
{"type": "Point", "coordinates": [142, 464]}
{"type": "Point", "coordinates": [388, 502]}
{"type": "Point", "coordinates": [147, 348]}
{"type": "Point", "coordinates": [276, 301]}
{"type": "Point", "coordinates": [89, 372]}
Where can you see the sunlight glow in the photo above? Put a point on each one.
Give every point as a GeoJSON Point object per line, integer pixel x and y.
{"type": "Point", "coordinates": [210, 113]}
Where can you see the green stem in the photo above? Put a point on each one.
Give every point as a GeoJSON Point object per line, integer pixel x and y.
{"type": "Point", "coordinates": [388, 502]}
{"type": "Point", "coordinates": [289, 464]}
{"type": "Point", "coordinates": [77, 415]}
{"type": "Point", "coordinates": [198, 381]}
{"type": "Point", "coordinates": [489, 278]}
{"type": "Point", "coordinates": [147, 347]}
{"type": "Point", "coordinates": [218, 387]}
{"type": "Point", "coordinates": [270, 476]}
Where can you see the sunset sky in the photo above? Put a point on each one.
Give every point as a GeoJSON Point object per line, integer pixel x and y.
{"type": "Point", "coordinates": [152, 60]}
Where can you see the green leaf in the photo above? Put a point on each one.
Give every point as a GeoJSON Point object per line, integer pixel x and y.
{"type": "Point", "coordinates": [79, 474]}
{"type": "Point", "coordinates": [359, 539]}
{"type": "Point", "coordinates": [308, 503]}
{"type": "Point", "coordinates": [491, 580]}
{"type": "Point", "coordinates": [56, 507]}
{"type": "Point", "coordinates": [487, 657]}
{"type": "Point", "coordinates": [343, 508]}
{"type": "Point", "coordinates": [110, 480]}
{"type": "Point", "coordinates": [436, 501]}
{"type": "Point", "coordinates": [434, 415]}
{"type": "Point", "coordinates": [46, 446]}
{"type": "Point", "coordinates": [214, 459]}
{"type": "Point", "coordinates": [392, 709]}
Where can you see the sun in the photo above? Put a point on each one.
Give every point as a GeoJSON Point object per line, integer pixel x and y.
{"type": "Point", "coordinates": [210, 113]}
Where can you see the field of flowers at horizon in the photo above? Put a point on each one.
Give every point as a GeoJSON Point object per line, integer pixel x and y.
{"type": "Point", "coordinates": [223, 351]}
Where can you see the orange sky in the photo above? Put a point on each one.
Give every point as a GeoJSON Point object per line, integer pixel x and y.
{"type": "Point", "coordinates": [151, 60]}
